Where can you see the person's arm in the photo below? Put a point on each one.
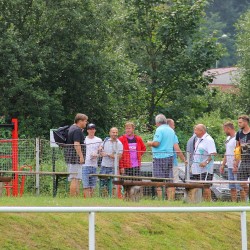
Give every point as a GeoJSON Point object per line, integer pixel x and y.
{"type": "Point", "coordinates": [179, 152]}
{"type": "Point", "coordinates": [154, 144]}
{"type": "Point", "coordinates": [211, 151]}
{"type": "Point", "coordinates": [156, 140]}
{"type": "Point", "coordinates": [236, 161]}
{"type": "Point", "coordinates": [223, 164]}
{"type": "Point", "coordinates": [78, 149]}
{"type": "Point", "coordinates": [210, 158]}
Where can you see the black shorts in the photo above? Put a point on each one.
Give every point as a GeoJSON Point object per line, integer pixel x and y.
{"type": "Point", "coordinates": [135, 171]}
{"type": "Point", "coordinates": [202, 177]}
{"type": "Point", "coordinates": [243, 171]}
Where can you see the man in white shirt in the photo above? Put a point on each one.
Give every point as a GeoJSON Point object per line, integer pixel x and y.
{"type": "Point", "coordinates": [111, 148]}
{"type": "Point", "coordinates": [203, 158]}
{"type": "Point", "coordinates": [93, 145]}
{"type": "Point", "coordinates": [228, 159]}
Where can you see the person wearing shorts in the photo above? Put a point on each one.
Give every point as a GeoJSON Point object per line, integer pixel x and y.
{"type": "Point", "coordinates": [93, 145]}
{"type": "Point", "coordinates": [228, 159]}
{"type": "Point", "coordinates": [74, 153]}
{"type": "Point", "coordinates": [163, 145]}
{"type": "Point", "coordinates": [203, 158]}
{"type": "Point", "coordinates": [242, 167]}
{"type": "Point", "coordinates": [171, 124]}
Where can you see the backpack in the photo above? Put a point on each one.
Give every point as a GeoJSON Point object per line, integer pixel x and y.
{"type": "Point", "coordinates": [61, 135]}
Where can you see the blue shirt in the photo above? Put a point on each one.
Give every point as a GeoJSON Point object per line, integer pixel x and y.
{"type": "Point", "coordinates": [166, 138]}
{"type": "Point", "coordinates": [175, 154]}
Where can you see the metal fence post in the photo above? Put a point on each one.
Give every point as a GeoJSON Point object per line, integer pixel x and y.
{"type": "Point", "coordinates": [116, 166]}
{"type": "Point", "coordinates": [91, 231]}
{"type": "Point", "coordinates": [37, 165]}
{"type": "Point", "coordinates": [187, 174]}
{"type": "Point", "coordinates": [244, 230]}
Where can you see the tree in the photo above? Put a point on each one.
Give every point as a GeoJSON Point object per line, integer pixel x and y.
{"type": "Point", "coordinates": [227, 15]}
{"type": "Point", "coordinates": [243, 49]}
{"type": "Point", "coordinates": [22, 93]}
{"type": "Point", "coordinates": [57, 59]}
{"type": "Point", "coordinates": [166, 41]}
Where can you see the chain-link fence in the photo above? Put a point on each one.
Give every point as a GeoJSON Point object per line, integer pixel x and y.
{"type": "Point", "coordinates": [37, 167]}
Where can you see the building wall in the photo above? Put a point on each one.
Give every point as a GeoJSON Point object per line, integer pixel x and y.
{"type": "Point", "coordinates": [228, 78]}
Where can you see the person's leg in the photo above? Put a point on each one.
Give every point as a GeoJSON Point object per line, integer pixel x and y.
{"type": "Point", "coordinates": [175, 173]}
{"type": "Point", "coordinates": [136, 191]}
{"type": "Point", "coordinates": [161, 166]}
{"type": "Point", "coordinates": [136, 171]}
{"type": "Point", "coordinates": [233, 192]}
{"type": "Point", "coordinates": [169, 174]}
{"type": "Point", "coordinates": [73, 187]}
{"type": "Point", "coordinates": [243, 176]}
{"type": "Point", "coordinates": [207, 196]}
{"type": "Point", "coordinates": [103, 183]}
{"type": "Point", "coordinates": [127, 172]}
{"type": "Point", "coordinates": [85, 180]}
{"type": "Point", "coordinates": [73, 180]}
{"type": "Point", "coordinates": [112, 189]}
{"type": "Point", "coordinates": [232, 186]}
{"type": "Point", "coordinates": [92, 181]}
{"type": "Point", "coordinates": [157, 162]}
{"type": "Point", "coordinates": [78, 183]}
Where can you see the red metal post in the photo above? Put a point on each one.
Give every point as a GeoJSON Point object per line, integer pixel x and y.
{"type": "Point", "coordinates": [23, 179]}
{"type": "Point", "coordinates": [15, 156]}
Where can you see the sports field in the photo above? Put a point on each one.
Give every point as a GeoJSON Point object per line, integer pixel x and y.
{"type": "Point", "coordinates": [118, 231]}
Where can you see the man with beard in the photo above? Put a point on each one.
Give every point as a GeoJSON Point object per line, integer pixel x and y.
{"type": "Point", "coordinates": [74, 152]}
{"type": "Point", "coordinates": [242, 167]}
{"type": "Point", "coordinates": [228, 159]}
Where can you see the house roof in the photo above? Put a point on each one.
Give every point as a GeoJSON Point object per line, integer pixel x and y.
{"type": "Point", "coordinates": [219, 71]}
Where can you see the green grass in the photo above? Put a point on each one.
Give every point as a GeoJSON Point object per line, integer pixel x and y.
{"type": "Point", "coordinates": [118, 230]}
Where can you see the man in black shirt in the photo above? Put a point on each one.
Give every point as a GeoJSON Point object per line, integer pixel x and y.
{"type": "Point", "coordinates": [242, 167]}
{"type": "Point", "coordinates": [74, 152]}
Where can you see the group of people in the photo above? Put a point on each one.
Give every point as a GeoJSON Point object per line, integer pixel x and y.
{"type": "Point", "coordinates": [83, 154]}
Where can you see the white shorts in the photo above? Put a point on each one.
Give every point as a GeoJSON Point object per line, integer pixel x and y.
{"type": "Point", "coordinates": [176, 174]}
{"type": "Point", "coordinates": [75, 168]}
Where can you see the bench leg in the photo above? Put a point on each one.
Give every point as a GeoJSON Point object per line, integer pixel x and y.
{"type": "Point", "coordinates": [1, 188]}
{"type": "Point", "coordinates": [110, 187]}
{"type": "Point", "coordinates": [163, 193]}
{"type": "Point", "coordinates": [127, 191]}
{"type": "Point", "coordinates": [55, 185]}
{"type": "Point", "coordinates": [171, 193]}
{"type": "Point", "coordinates": [193, 195]}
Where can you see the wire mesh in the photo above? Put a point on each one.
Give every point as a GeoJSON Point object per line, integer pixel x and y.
{"type": "Point", "coordinates": [131, 175]}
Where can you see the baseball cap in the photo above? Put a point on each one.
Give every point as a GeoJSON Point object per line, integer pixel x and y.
{"type": "Point", "coordinates": [91, 125]}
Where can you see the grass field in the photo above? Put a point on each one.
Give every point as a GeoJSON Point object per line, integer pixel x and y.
{"type": "Point", "coordinates": [118, 230]}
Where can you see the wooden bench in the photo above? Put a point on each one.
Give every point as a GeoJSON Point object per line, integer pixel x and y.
{"type": "Point", "coordinates": [111, 177]}
{"type": "Point", "coordinates": [57, 176]}
{"type": "Point", "coordinates": [3, 179]}
{"type": "Point", "coordinates": [192, 190]}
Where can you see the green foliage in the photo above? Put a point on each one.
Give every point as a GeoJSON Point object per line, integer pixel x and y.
{"type": "Point", "coordinates": [57, 59]}
{"type": "Point", "coordinates": [169, 48]}
{"type": "Point", "coordinates": [5, 133]}
{"type": "Point", "coordinates": [243, 49]}
{"type": "Point", "coordinates": [113, 60]}
{"type": "Point", "coordinates": [226, 103]}
{"type": "Point", "coordinates": [214, 122]}
{"type": "Point", "coordinates": [223, 17]}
